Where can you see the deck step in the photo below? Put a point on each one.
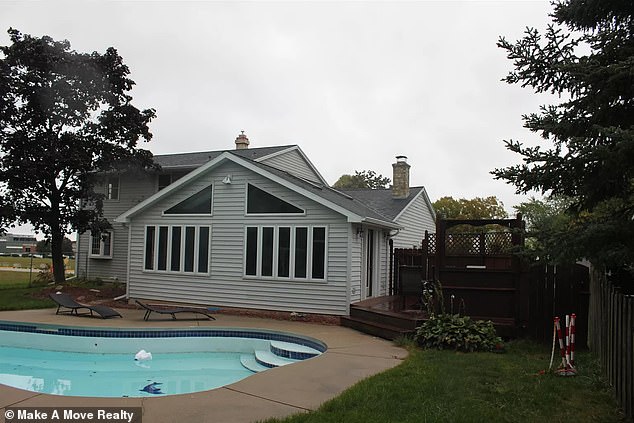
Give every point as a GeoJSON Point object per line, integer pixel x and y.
{"type": "Point", "coordinates": [250, 363]}
{"type": "Point", "coordinates": [385, 318]}
{"type": "Point", "coordinates": [381, 330]}
{"type": "Point", "coordinates": [293, 351]}
{"type": "Point", "coordinates": [270, 360]}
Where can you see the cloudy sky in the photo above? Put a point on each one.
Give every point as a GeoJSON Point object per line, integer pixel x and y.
{"type": "Point", "coordinates": [352, 83]}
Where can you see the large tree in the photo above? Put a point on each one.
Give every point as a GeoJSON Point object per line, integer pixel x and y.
{"type": "Point", "coordinates": [65, 118]}
{"type": "Point", "coordinates": [586, 57]}
{"type": "Point", "coordinates": [362, 180]}
{"type": "Point", "coordinates": [475, 208]}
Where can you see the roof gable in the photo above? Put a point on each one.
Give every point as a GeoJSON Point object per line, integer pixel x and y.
{"type": "Point", "coordinates": [328, 197]}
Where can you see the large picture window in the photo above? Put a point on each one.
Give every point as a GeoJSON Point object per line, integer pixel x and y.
{"type": "Point", "coordinates": [286, 252]}
{"type": "Point", "coordinates": [101, 245]}
{"type": "Point", "coordinates": [199, 203]}
{"type": "Point", "coordinates": [261, 202]}
{"type": "Point", "coordinates": [180, 249]}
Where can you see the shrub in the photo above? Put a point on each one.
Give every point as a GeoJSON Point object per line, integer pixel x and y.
{"type": "Point", "coordinates": [461, 333]}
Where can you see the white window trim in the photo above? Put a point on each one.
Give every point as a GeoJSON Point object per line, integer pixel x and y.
{"type": "Point", "coordinates": [309, 254]}
{"type": "Point", "coordinates": [168, 263]}
{"type": "Point", "coordinates": [246, 204]}
{"type": "Point", "coordinates": [190, 215]}
{"type": "Point", "coordinates": [101, 255]}
{"type": "Point", "coordinates": [109, 196]}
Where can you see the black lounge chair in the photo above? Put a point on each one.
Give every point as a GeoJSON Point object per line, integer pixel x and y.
{"type": "Point", "coordinates": [170, 309]}
{"type": "Point", "coordinates": [65, 301]}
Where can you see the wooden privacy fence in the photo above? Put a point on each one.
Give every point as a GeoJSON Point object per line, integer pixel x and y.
{"type": "Point", "coordinates": [482, 272]}
{"type": "Point", "coordinates": [610, 336]}
{"type": "Point", "coordinates": [558, 290]}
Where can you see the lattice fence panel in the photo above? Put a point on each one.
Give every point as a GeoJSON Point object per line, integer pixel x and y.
{"type": "Point", "coordinates": [462, 244]}
{"type": "Point", "coordinates": [431, 244]}
{"type": "Point", "coordinates": [498, 243]}
{"type": "Point", "coordinates": [479, 244]}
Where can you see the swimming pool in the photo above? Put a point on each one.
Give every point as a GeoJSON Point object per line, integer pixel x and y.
{"type": "Point", "coordinates": [100, 362]}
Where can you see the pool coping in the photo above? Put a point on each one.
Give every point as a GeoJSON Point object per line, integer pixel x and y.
{"type": "Point", "coordinates": [351, 356]}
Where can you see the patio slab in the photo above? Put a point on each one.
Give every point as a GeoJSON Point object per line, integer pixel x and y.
{"type": "Point", "coordinates": [301, 387]}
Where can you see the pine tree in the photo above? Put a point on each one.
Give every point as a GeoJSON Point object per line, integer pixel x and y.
{"type": "Point", "coordinates": [586, 57]}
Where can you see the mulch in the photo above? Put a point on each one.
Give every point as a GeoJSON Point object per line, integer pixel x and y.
{"type": "Point", "coordinates": [105, 295]}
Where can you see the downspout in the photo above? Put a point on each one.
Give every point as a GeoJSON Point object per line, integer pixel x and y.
{"type": "Point", "coordinates": [349, 269]}
{"type": "Point", "coordinates": [77, 255]}
{"type": "Point", "coordinates": [127, 278]}
{"type": "Point", "coordinates": [391, 271]}
{"type": "Point", "coordinates": [391, 235]}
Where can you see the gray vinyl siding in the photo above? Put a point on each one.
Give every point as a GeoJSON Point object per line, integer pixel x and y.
{"type": "Point", "coordinates": [415, 219]}
{"type": "Point", "coordinates": [384, 258]}
{"type": "Point", "coordinates": [133, 188]}
{"type": "Point", "coordinates": [356, 264]}
{"type": "Point", "coordinates": [226, 284]}
{"type": "Point", "coordinates": [293, 163]}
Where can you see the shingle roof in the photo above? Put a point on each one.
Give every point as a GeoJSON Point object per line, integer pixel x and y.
{"type": "Point", "coordinates": [327, 193]}
{"type": "Point", "coordinates": [381, 200]}
{"type": "Point", "coordinates": [372, 204]}
{"type": "Point", "coordinates": [193, 160]}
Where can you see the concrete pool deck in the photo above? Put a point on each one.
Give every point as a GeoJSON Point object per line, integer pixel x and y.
{"type": "Point", "coordinates": [283, 391]}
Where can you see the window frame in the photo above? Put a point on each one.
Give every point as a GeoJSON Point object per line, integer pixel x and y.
{"type": "Point", "coordinates": [246, 204]}
{"type": "Point", "coordinates": [182, 250]}
{"type": "Point", "coordinates": [180, 215]}
{"type": "Point", "coordinates": [109, 188]}
{"type": "Point", "coordinates": [292, 254]}
{"type": "Point", "coordinates": [102, 246]}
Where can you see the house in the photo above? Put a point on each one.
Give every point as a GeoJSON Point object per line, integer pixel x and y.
{"type": "Point", "coordinates": [17, 244]}
{"type": "Point", "coordinates": [253, 228]}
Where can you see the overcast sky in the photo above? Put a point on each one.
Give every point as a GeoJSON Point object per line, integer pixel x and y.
{"type": "Point", "coordinates": [352, 83]}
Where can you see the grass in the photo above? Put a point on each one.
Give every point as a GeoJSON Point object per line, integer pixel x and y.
{"type": "Point", "coordinates": [440, 386]}
{"type": "Point", "coordinates": [25, 262]}
{"type": "Point", "coordinates": [445, 386]}
{"type": "Point", "coordinates": [15, 293]}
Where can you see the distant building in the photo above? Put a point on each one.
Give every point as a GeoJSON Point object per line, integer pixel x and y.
{"type": "Point", "coordinates": [17, 244]}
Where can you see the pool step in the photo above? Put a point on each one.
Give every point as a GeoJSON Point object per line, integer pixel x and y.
{"type": "Point", "coordinates": [293, 351]}
{"type": "Point", "coordinates": [279, 354]}
{"type": "Point", "coordinates": [271, 360]}
{"type": "Point", "coordinates": [250, 363]}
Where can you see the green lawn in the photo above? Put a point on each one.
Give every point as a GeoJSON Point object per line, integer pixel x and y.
{"type": "Point", "coordinates": [15, 293]}
{"type": "Point", "coordinates": [441, 386]}
{"type": "Point", "coordinates": [25, 262]}
{"type": "Point", "coordinates": [445, 386]}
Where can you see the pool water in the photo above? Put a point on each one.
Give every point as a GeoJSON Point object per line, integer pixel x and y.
{"type": "Point", "coordinates": [91, 362]}
{"type": "Point", "coordinates": [117, 375]}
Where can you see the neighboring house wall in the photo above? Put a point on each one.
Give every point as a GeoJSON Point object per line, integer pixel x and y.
{"type": "Point", "coordinates": [294, 163]}
{"type": "Point", "coordinates": [133, 188]}
{"type": "Point", "coordinates": [226, 283]}
{"type": "Point", "coordinates": [416, 218]}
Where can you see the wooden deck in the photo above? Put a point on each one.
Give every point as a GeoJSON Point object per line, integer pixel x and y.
{"type": "Point", "coordinates": [388, 317]}
{"type": "Point", "coordinates": [394, 316]}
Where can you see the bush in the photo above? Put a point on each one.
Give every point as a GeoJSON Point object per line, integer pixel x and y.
{"type": "Point", "coordinates": [461, 333]}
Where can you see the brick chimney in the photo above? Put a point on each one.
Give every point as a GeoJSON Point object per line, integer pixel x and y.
{"type": "Point", "coordinates": [400, 178]}
{"type": "Point", "coordinates": [242, 142]}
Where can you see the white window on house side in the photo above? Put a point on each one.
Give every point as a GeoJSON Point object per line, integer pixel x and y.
{"type": "Point", "coordinates": [177, 249]}
{"type": "Point", "coordinates": [286, 252]}
{"type": "Point", "coordinates": [101, 245]}
{"type": "Point", "coordinates": [112, 188]}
